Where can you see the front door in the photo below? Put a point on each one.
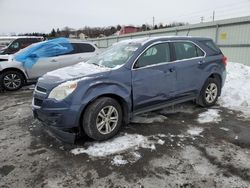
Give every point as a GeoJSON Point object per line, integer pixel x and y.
{"type": "Point", "coordinates": [153, 77]}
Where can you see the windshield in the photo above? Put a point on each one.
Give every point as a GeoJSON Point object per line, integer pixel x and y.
{"type": "Point", "coordinates": [26, 49]}
{"type": "Point", "coordinates": [115, 56]}
{"type": "Point", "coordinates": [5, 44]}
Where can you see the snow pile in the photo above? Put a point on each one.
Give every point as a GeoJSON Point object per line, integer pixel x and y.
{"type": "Point", "coordinates": [195, 131]}
{"type": "Point", "coordinates": [76, 71]}
{"type": "Point", "coordinates": [235, 93]}
{"type": "Point", "coordinates": [118, 160]}
{"type": "Point", "coordinates": [210, 116]}
{"type": "Point", "coordinates": [116, 145]}
{"type": "Point", "coordinates": [147, 118]}
{"type": "Point", "coordinates": [224, 129]}
{"type": "Point", "coordinates": [131, 157]}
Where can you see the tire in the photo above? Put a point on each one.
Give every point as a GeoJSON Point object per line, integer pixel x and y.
{"type": "Point", "coordinates": [98, 123]}
{"type": "Point", "coordinates": [11, 80]}
{"type": "Point", "coordinates": [210, 92]}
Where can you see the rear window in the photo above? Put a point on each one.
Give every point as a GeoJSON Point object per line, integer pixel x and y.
{"type": "Point", "coordinates": [210, 44]}
{"type": "Point", "coordinates": [187, 50]}
{"type": "Point", "coordinates": [85, 48]}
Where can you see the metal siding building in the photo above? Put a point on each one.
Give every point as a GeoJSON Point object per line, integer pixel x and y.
{"type": "Point", "coordinates": [231, 35]}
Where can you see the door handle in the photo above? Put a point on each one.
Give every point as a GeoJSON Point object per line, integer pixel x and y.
{"type": "Point", "coordinates": [171, 70]}
{"type": "Point", "coordinates": [201, 62]}
{"type": "Point", "coordinates": [168, 71]}
{"type": "Point", "coordinates": [53, 60]}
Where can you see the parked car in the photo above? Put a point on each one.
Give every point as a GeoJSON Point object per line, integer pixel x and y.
{"type": "Point", "coordinates": [130, 78]}
{"type": "Point", "coordinates": [18, 43]}
{"type": "Point", "coordinates": [34, 61]}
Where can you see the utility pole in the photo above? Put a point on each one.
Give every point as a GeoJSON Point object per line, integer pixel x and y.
{"type": "Point", "coordinates": [202, 19]}
{"type": "Point", "coordinates": [213, 15]}
{"type": "Point", "coordinates": [153, 22]}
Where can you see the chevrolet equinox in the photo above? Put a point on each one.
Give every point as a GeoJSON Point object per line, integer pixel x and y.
{"type": "Point", "coordinates": [131, 77]}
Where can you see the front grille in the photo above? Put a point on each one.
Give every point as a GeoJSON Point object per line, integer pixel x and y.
{"type": "Point", "coordinates": [38, 102]}
{"type": "Point", "coordinates": [41, 89]}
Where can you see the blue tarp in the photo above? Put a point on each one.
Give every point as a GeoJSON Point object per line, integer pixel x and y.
{"type": "Point", "coordinates": [30, 55]}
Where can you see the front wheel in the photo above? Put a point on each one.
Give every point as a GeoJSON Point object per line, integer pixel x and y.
{"type": "Point", "coordinates": [102, 118]}
{"type": "Point", "coordinates": [210, 92]}
{"type": "Point", "coordinates": [11, 80]}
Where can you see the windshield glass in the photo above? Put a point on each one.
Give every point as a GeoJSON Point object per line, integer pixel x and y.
{"type": "Point", "coordinates": [26, 49]}
{"type": "Point", "coordinates": [115, 56]}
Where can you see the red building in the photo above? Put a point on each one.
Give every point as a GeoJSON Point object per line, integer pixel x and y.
{"type": "Point", "coordinates": [127, 29]}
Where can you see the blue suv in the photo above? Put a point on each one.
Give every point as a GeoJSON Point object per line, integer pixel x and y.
{"type": "Point", "coordinates": [131, 77]}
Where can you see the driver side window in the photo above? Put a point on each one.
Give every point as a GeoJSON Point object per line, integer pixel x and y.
{"type": "Point", "coordinates": [159, 53]}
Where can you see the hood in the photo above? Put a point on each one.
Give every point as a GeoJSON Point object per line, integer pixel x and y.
{"type": "Point", "coordinates": [77, 71]}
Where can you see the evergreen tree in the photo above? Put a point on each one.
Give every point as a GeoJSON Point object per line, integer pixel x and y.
{"type": "Point", "coordinates": [53, 33]}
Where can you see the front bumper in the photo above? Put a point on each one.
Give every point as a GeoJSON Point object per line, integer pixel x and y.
{"type": "Point", "coordinates": [62, 122]}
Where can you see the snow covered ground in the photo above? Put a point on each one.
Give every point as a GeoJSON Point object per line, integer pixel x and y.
{"type": "Point", "coordinates": [116, 145]}
{"type": "Point", "coordinates": [149, 118]}
{"type": "Point", "coordinates": [195, 131]}
{"type": "Point", "coordinates": [211, 115]}
{"type": "Point", "coordinates": [236, 91]}
{"type": "Point", "coordinates": [168, 148]}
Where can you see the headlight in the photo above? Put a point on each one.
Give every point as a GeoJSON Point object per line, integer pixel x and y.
{"type": "Point", "coordinates": [63, 90]}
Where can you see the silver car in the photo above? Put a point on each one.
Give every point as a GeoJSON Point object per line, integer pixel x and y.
{"type": "Point", "coordinates": [15, 70]}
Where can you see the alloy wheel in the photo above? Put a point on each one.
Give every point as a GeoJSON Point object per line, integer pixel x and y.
{"type": "Point", "coordinates": [12, 81]}
{"type": "Point", "coordinates": [211, 92]}
{"type": "Point", "coordinates": [107, 119]}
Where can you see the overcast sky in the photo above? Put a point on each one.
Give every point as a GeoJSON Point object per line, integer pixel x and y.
{"type": "Point", "coordinates": [21, 16]}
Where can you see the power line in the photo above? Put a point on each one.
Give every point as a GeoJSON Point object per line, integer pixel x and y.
{"type": "Point", "coordinates": [205, 11]}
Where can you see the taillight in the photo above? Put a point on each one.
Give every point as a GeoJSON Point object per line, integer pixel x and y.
{"type": "Point", "coordinates": [224, 60]}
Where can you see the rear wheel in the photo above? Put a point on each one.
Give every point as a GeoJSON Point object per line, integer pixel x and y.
{"type": "Point", "coordinates": [11, 80]}
{"type": "Point", "coordinates": [210, 92]}
{"type": "Point", "coordinates": [102, 118]}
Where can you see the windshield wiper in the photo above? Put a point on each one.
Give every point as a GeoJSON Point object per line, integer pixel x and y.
{"type": "Point", "coordinates": [98, 65]}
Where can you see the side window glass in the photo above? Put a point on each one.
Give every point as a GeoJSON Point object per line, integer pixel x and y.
{"type": "Point", "coordinates": [52, 50]}
{"type": "Point", "coordinates": [69, 48]}
{"type": "Point", "coordinates": [186, 50]}
{"type": "Point", "coordinates": [210, 44]}
{"type": "Point", "coordinates": [199, 52]}
{"type": "Point", "coordinates": [85, 48]}
{"type": "Point", "coordinates": [159, 53]}
{"type": "Point", "coordinates": [150, 52]}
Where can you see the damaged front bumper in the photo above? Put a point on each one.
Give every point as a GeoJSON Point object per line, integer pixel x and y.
{"type": "Point", "coordinates": [54, 122]}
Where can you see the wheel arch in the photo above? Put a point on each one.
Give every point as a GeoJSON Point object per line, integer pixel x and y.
{"type": "Point", "coordinates": [119, 99]}
{"type": "Point", "coordinates": [17, 70]}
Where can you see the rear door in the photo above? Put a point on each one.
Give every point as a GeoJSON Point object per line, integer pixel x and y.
{"type": "Point", "coordinates": [45, 59]}
{"type": "Point", "coordinates": [41, 66]}
{"type": "Point", "coordinates": [153, 77]}
{"type": "Point", "coordinates": [188, 61]}
{"type": "Point", "coordinates": [69, 58]}
{"type": "Point", "coordinates": [82, 52]}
